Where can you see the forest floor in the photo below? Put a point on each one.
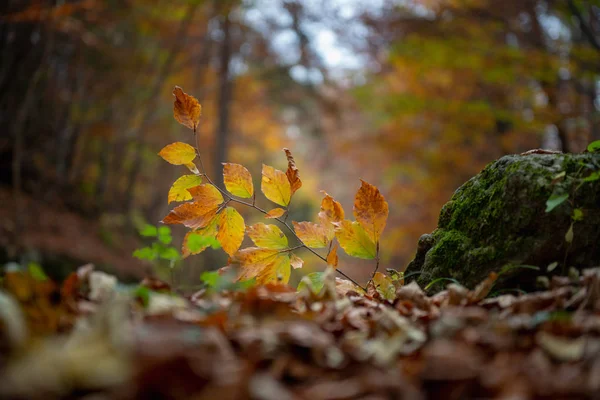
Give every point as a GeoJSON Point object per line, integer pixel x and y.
{"type": "Point", "coordinates": [93, 338]}
{"type": "Point", "coordinates": [57, 235]}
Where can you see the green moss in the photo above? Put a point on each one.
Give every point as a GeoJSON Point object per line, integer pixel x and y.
{"type": "Point", "coordinates": [499, 217]}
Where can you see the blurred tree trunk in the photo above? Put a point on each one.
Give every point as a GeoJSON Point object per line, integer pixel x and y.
{"type": "Point", "coordinates": [149, 109]}
{"type": "Point", "coordinates": [225, 89]}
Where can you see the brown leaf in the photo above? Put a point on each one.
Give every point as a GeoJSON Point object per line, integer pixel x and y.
{"type": "Point", "coordinates": [371, 210]}
{"type": "Point", "coordinates": [292, 172]}
{"type": "Point", "coordinates": [186, 109]}
{"type": "Point", "coordinates": [193, 215]}
{"type": "Point", "coordinates": [296, 261]}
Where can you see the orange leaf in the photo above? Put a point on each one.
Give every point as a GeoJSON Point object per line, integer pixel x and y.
{"type": "Point", "coordinates": [231, 230]}
{"type": "Point", "coordinates": [275, 186]}
{"type": "Point", "coordinates": [275, 213]}
{"type": "Point", "coordinates": [331, 211]}
{"type": "Point", "coordinates": [267, 236]}
{"type": "Point", "coordinates": [312, 235]}
{"type": "Point", "coordinates": [332, 257]}
{"type": "Point", "coordinates": [354, 240]}
{"type": "Point", "coordinates": [178, 153]}
{"type": "Point", "coordinates": [206, 195]}
{"type": "Point", "coordinates": [296, 262]}
{"type": "Point", "coordinates": [371, 210]}
{"type": "Point", "coordinates": [238, 180]}
{"type": "Point", "coordinates": [266, 265]}
{"type": "Point", "coordinates": [292, 172]}
{"type": "Point", "coordinates": [193, 215]}
{"type": "Point", "coordinates": [186, 109]}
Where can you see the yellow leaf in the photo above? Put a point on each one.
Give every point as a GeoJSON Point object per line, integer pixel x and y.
{"type": "Point", "coordinates": [371, 210]}
{"type": "Point", "coordinates": [179, 189]}
{"type": "Point", "coordinates": [275, 186]}
{"type": "Point", "coordinates": [265, 265]}
{"type": "Point", "coordinates": [296, 262]}
{"type": "Point", "coordinates": [206, 195]}
{"type": "Point", "coordinates": [292, 172]}
{"type": "Point", "coordinates": [275, 213]}
{"type": "Point", "coordinates": [331, 212]}
{"type": "Point", "coordinates": [186, 109]}
{"type": "Point", "coordinates": [312, 235]}
{"type": "Point", "coordinates": [178, 153]}
{"type": "Point", "coordinates": [354, 240]}
{"type": "Point", "coordinates": [193, 215]}
{"type": "Point", "coordinates": [267, 236]}
{"type": "Point", "coordinates": [332, 257]}
{"type": "Point", "coordinates": [210, 231]}
{"type": "Point", "coordinates": [192, 167]}
{"type": "Point", "coordinates": [238, 180]}
{"type": "Point", "coordinates": [231, 230]}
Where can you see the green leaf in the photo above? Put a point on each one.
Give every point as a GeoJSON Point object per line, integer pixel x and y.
{"type": "Point", "coordinates": [148, 231]}
{"type": "Point", "coordinates": [559, 175]}
{"type": "Point", "coordinates": [577, 214]}
{"type": "Point", "coordinates": [594, 176]}
{"type": "Point", "coordinates": [555, 200]}
{"type": "Point", "coordinates": [164, 231]}
{"type": "Point", "coordinates": [594, 146]}
{"type": "Point", "coordinates": [145, 253]}
{"type": "Point", "coordinates": [569, 235]}
{"type": "Point", "coordinates": [143, 293]}
{"type": "Point", "coordinates": [314, 281]}
{"type": "Point", "coordinates": [169, 253]}
{"type": "Point", "coordinates": [197, 242]}
{"type": "Point", "coordinates": [36, 272]}
{"type": "Point", "coordinates": [210, 278]}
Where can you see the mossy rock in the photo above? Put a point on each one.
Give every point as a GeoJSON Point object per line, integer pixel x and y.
{"type": "Point", "coordinates": [497, 221]}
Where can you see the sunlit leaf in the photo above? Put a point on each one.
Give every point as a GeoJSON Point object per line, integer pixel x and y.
{"type": "Point", "coordinates": [238, 180]}
{"type": "Point", "coordinates": [555, 200]}
{"type": "Point", "coordinates": [275, 213]}
{"type": "Point", "coordinates": [145, 253]}
{"type": "Point", "coordinates": [332, 257]}
{"type": "Point", "coordinates": [186, 109]}
{"type": "Point", "coordinates": [178, 153]}
{"type": "Point", "coordinates": [193, 215]}
{"type": "Point", "coordinates": [231, 230]}
{"type": "Point", "coordinates": [267, 236]}
{"type": "Point", "coordinates": [206, 195]}
{"type": "Point", "coordinates": [292, 172]}
{"type": "Point", "coordinates": [354, 240]}
{"type": "Point", "coordinates": [312, 235]}
{"type": "Point", "coordinates": [275, 186]}
{"type": "Point", "coordinates": [265, 265]}
{"type": "Point", "coordinates": [192, 167]}
{"type": "Point", "coordinates": [179, 189]}
{"type": "Point", "coordinates": [331, 211]}
{"type": "Point", "coordinates": [371, 210]}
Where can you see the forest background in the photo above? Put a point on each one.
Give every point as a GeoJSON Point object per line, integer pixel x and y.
{"type": "Point", "coordinates": [414, 96]}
